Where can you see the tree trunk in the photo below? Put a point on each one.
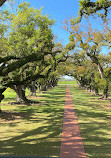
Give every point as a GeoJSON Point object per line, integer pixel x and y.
{"type": "Point", "coordinates": [105, 93]}
{"type": "Point", "coordinates": [1, 96]}
{"type": "Point", "coordinates": [32, 89]}
{"type": "Point", "coordinates": [96, 60]}
{"type": "Point", "coordinates": [101, 71]}
{"type": "Point", "coordinates": [89, 89]}
{"type": "Point", "coordinates": [96, 91]}
{"type": "Point", "coordinates": [21, 98]}
{"type": "Point", "coordinates": [43, 88]}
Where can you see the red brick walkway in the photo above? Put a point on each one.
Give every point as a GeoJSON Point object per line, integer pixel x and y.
{"type": "Point", "coordinates": [71, 142]}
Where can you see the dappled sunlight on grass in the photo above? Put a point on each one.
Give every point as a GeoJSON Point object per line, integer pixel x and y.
{"type": "Point", "coordinates": [33, 130]}
{"type": "Point", "coordinates": [36, 130]}
{"type": "Point", "coordinates": [95, 122]}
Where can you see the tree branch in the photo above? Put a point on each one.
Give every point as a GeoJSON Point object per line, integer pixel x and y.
{"type": "Point", "coordinates": [2, 2]}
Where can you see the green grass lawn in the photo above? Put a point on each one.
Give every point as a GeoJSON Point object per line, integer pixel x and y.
{"type": "Point", "coordinates": [36, 130]}
{"type": "Point", "coordinates": [94, 118]}
{"type": "Point", "coordinates": [67, 82]}
{"type": "Point", "coordinates": [33, 130]}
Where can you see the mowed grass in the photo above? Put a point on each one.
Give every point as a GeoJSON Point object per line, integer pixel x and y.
{"type": "Point", "coordinates": [67, 82]}
{"type": "Point", "coordinates": [94, 117]}
{"type": "Point", "coordinates": [36, 130]}
{"type": "Point", "coordinates": [33, 130]}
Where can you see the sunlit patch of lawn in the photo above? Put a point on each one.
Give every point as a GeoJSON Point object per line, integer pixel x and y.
{"type": "Point", "coordinates": [32, 130]}
{"type": "Point", "coordinates": [67, 82]}
{"type": "Point", "coordinates": [94, 118]}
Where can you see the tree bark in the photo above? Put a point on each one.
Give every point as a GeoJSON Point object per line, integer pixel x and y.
{"type": "Point", "coordinates": [32, 89]}
{"type": "Point", "coordinates": [1, 96]}
{"type": "Point", "coordinates": [105, 93]}
{"type": "Point", "coordinates": [96, 91]}
{"type": "Point", "coordinates": [43, 88]}
{"type": "Point", "coordinates": [101, 71]}
{"type": "Point", "coordinates": [21, 98]}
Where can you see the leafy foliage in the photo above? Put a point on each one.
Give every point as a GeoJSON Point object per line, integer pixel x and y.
{"type": "Point", "coordinates": [89, 7]}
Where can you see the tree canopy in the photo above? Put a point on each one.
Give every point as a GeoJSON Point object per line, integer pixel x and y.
{"type": "Point", "coordinates": [28, 53]}
{"type": "Point", "coordinates": [90, 7]}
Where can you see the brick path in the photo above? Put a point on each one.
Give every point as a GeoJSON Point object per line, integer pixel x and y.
{"type": "Point", "coordinates": [71, 141]}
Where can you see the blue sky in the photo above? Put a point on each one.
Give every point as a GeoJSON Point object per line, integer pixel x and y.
{"type": "Point", "coordinates": [59, 10]}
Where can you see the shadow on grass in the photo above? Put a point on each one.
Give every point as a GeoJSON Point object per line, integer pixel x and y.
{"type": "Point", "coordinates": [94, 124]}
{"type": "Point", "coordinates": [10, 115]}
{"type": "Point", "coordinates": [45, 146]}
{"type": "Point", "coordinates": [45, 118]}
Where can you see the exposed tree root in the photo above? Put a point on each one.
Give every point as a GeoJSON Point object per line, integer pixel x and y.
{"type": "Point", "coordinates": [103, 98]}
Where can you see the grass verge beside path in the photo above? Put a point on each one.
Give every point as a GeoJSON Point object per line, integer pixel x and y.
{"type": "Point", "coordinates": [33, 130]}
{"type": "Point", "coordinates": [94, 117]}
{"type": "Point", "coordinates": [66, 82]}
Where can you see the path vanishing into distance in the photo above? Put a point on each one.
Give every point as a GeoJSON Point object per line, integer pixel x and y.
{"type": "Point", "coordinates": [71, 141]}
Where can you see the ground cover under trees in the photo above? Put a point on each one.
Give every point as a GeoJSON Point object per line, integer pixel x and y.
{"type": "Point", "coordinates": [94, 117]}
{"type": "Point", "coordinates": [38, 127]}
{"type": "Point", "coordinates": [30, 58]}
{"type": "Point", "coordinates": [32, 130]}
